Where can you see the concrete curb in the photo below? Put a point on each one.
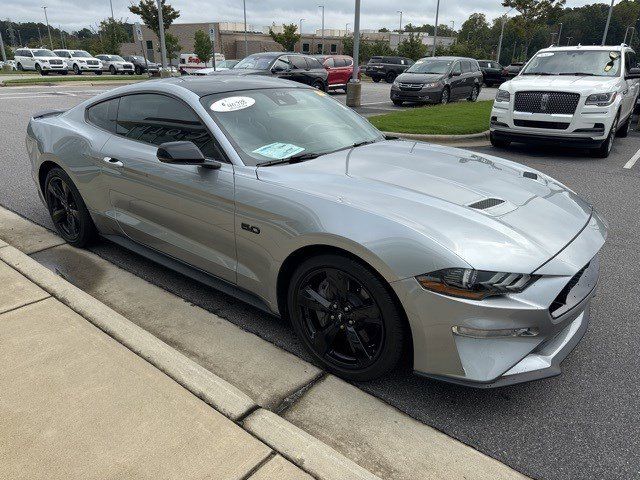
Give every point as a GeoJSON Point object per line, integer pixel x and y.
{"type": "Point", "coordinates": [448, 139]}
{"type": "Point", "coordinates": [303, 449]}
{"type": "Point", "coordinates": [106, 83]}
{"type": "Point", "coordinates": [213, 390]}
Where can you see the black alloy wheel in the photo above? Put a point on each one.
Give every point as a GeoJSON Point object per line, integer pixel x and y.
{"type": "Point", "coordinates": [138, 70]}
{"type": "Point", "coordinates": [76, 69]}
{"type": "Point", "coordinates": [474, 94]}
{"type": "Point", "coordinates": [345, 317]}
{"type": "Point", "coordinates": [319, 85]}
{"type": "Point", "coordinates": [390, 77]}
{"type": "Point", "coordinates": [445, 96]}
{"type": "Point", "coordinates": [67, 209]}
{"type": "Point", "coordinates": [605, 148]}
{"type": "Point", "coordinates": [112, 70]}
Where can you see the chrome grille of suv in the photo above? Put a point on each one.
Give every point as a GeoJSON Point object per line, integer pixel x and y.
{"type": "Point", "coordinates": [53, 61]}
{"type": "Point", "coordinates": [92, 62]}
{"type": "Point", "coordinates": [410, 86]}
{"type": "Point", "coordinates": [547, 102]}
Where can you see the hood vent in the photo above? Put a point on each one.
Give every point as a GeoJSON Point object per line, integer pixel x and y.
{"type": "Point", "coordinates": [486, 203]}
{"type": "Point", "coordinates": [531, 175]}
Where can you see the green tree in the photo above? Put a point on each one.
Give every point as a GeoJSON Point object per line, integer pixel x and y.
{"type": "Point", "coordinates": [202, 46]}
{"type": "Point", "coordinates": [412, 47]}
{"type": "Point", "coordinates": [288, 38]}
{"type": "Point", "coordinates": [533, 14]}
{"type": "Point", "coordinates": [172, 46]}
{"type": "Point", "coordinates": [147, 10]}
{"type": "Point", "coordinates": [113, 33]}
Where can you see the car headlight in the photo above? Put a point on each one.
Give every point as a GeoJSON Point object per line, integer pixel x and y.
{"type": "Point", "coordinates": [503, 96]}
{"type": "Point", "coordinates": [395, 83]}
{"type": "Point", "coordinates": [82, 61]}
{"type": "Point", "coordinates": [431, 85]}
{"type": "Point", "coordinates": [601, 99]}
{"type": "Point", "coordinates": [474, 284]}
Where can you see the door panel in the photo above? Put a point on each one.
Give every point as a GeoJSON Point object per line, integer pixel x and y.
{"type": "Point", "coordinates": [184, 211]}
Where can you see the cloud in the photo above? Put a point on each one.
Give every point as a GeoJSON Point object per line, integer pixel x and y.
{"type": "Point", "coordinates": [76, 14]}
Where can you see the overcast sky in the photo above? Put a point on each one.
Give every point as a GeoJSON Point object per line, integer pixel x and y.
{"type": "Point", "coordinates": [75, 14]}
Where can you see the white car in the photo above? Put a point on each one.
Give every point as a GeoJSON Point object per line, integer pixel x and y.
{"type": "Point", "coordinates": [220, 67]}
{"type": "Point", "coordinates": [578, 96]}
{"type": "Point", "coordinates": [115, 64]}
{"type": "Point", "coordinates": [39, 59]}
{"type": "Point", "coordinates": [80, 61]}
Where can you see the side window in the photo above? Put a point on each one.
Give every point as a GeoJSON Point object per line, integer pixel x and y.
{"type": "Point", "coordinates": [466, 66]}
{"type": "Point", "coordinates": [298, 62]}
{"type": "Point", "coordinates": [156, 119]}
{"type": "Point", "coordinates": [331, 63]}
{"type": "Point", "coordinates": [340, 62]}
{"type": "Point", "coordinates": [456, 68]}
{"type": "Point", "coordinates": [282, 63]}
{"type": "Point", "coordinates": [104, 114]}
{"type": "Point", "coordinates": [314, 63]}
{"type": "Point", "coordinates": [629, 60]}
{"type": "Point", "coordinates": [18, 53]}
{"type": "Point", "coordinates": [28, 53]}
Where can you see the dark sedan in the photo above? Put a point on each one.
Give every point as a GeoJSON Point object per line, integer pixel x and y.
{"type": "Point", "coordinates": [493, 72]}
{"type": "Point", "coordinates": [438, 80]}
{"type": "Point", "coordinates": [287, 65]}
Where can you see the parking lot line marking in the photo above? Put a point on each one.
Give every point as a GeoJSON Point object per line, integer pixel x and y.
{"type": "Point", "coordinates": [632, 161]}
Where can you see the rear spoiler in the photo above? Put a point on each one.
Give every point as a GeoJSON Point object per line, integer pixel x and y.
{"type": "Point", "coordinates": [48, 113]}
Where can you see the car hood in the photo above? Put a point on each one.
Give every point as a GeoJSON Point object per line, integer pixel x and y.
{"type": "Point", "coordinates": [243, 71]}
{"type": "Point", "coordinates": [435, 190]}
{"type": "Point", "coordinates": [573, 83]}
{"type": "Point", "coordinates": [419, 77]}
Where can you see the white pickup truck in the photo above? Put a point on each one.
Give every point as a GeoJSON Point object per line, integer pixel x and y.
{"type": "Point", "coordinates": [581, 96]}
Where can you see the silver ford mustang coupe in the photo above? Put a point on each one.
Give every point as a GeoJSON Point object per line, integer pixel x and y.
{"type": "Point", "coordinates": [479, 269]}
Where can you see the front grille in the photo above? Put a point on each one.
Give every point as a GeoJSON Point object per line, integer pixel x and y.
{"type": "Point", "coordinates": [580, 285]}
{"type": "Point", "coordinates": [92, 62]}
{"type": "Point", "coordinates": [547, 102]}
{"type": "Point", "coordinates": [127, 67]}
{"type": "Point", "coordinates": [486, 203]}
{"type": "Point", "coordinates": [55, 62]}
{"type": "Point", "coordinates": [538, 124]}
{"type": "Point", "coordinates": [410, 86]}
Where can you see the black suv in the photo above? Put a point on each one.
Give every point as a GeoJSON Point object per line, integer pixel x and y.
{"type": "Point", "coordinates": [438, 80]}
{"type": "Point", "coordinates": [140, 66]}
{"type": "Point", "coordinates": [386, 67]}
{"type": "Point", "coordinates": [493, 72]}
{"type": "Point", "coordinates": [288, 65]}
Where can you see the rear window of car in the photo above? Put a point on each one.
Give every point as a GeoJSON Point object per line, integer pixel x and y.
{"type": "Point", "coordinates": [104, 114]}
{"type": "Point", "coordinates": [298, 62]}
{"type": "Point", "coordinates": [375, 60]}
{"type": "Point", "coordinates": [466, 66]}
{"type": "Point", "coordinates": [485, 64]}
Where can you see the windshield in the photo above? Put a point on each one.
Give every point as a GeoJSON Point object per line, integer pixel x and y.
{"type": "Point", "coordinates": [255, 62]}
{"type": "Point", "coordinates": [601, 63]}
{"type": "Point", "coordinates": [226, 63]}
{"type": "Point", "coordinates": [44, 53]}
{"type": "Point", "coordinates": [81, 54]}
{"type": "Point", "coordinates": [430, 66]}
{"type": "Point", "coordinates": [115, 58]}
{"type": "Point", "coordinates": [267, 125]}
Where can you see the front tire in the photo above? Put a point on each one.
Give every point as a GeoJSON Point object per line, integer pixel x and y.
{"type": "Point", "coordinates": [604, 150]}
{"type": "Point", "coordinates": [445, 96]}
{"type": "Point", "coordinates": [397, 103]}
{"type": "Point", "coordinates": [346, 317]}
{"type": "Point", "coordinates": [98, 72]}
{"type": "Point", "coordinates": [138, 70]}
{"type": "Point", "coordinates": [67, 209]}
{"type": "Point", "coordinates": [112, 70]}
{"type": "Point", "coordinates": [498, 143]}
{"type": "Point", "coordinates": [474, 94]}
{"type": "Point", "coordinates": [76, 69]}
{"type": "Point", "coordinates": [624, 130]}
{"type": "Point", "coordinates": [376, 79]}
{"type": "Point", "coordinates": [20, 67]}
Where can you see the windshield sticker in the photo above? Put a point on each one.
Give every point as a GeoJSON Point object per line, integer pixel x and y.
{"type": "Point", "coordinates": [546, 54]}
{"type": "Point", "coordinates": [278, 151]}
{"type": "Point", "coordinates": [232, 104]}
{"type": "Point", "coordinates": [614, 55]}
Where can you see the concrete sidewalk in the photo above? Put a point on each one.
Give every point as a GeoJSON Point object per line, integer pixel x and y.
{"type": "Point", "coordinates": [74, 403]}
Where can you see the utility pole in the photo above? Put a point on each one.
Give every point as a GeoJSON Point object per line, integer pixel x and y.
{"type": "Point", "coordinates": [625, 35]}
{"type": "Point", "coordinates": [346, 29]}
{"type": "Point", "coordinates": [39, 35]}
{"type": "Point", "coordinates": [322, 46]}
{"type": "Point", "coordinates": [400, 29]}
{"type": "Point", "coordinates": [435, 29]}
{"type": "Point", "coordinates": [560, 34]}
{"type": "Point", "coordinates": [62, 37]}
{"type": "Point", "coordinates": [163, 47]}
{"type": "Point", "coordinates": [354, 87]}
{"type": "Point", "coordinates": [606, 28]}
{"type": "Point", "coordinates": [504, 21]}
{"type": "Point", "coordinates": [246, 48]}
{"type": "Point", "coordinates": [300, 32]}
{"type": "Point", "coordinates": [569, 40]}
{"type": "Point", "coordinates": [46, 18]}
{"type": "Point", "coordinates": [113, 24]}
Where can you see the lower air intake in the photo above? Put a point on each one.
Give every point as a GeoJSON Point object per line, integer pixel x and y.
{"type": "Point", "coordinates": [486, 203]}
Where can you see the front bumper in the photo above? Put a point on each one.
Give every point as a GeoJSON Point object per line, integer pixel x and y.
{"type": "Point", "coordinates": [588, 127]}
{"type": "Point", "coordinates": [89, 68]}
{"type": "Point", "coordinates": [53, 68]}
{"type": "Point", "coordinates": [497, 361]}
{"type": "Point", "coordinates": [430, 95]}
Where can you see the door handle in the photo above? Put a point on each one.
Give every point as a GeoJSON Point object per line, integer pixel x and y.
{"type": "Point", "coordinates": [113, 161]}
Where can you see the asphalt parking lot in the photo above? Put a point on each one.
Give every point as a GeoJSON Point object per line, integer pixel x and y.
{"type": "Point", "coordinates": [579, 425]}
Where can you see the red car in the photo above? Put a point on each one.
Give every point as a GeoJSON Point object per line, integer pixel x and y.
{"type": "Point", "coordinates": [340, 69]}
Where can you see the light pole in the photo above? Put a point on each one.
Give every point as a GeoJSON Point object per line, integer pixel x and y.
{"type": "Point", "coordinates": [300, 32]}
{"type": "Point", "coordinates": [560, 34]}
{"type": "Point", "coordinates": [504, 21]}
{"type": "Point", "coordinates": [569, 40]}
{"type": "Point", "coordinates": [322, 46]}
{"type": "Point", "coordinates": [62, 37]}
{"type": "Point", "coordinates": [246, 48]}
{"type": "Point", "coordinates": [606, 27]}
{"type": "Point", "coordinates": [46, 18]}
{"type": "Point", "coordinates": [625, 34]}
{"type": "Point", "coordinates": [163, 47]}
{"type": "Point", "coordinates": [346, 29]}
{"type": "Point", "coordinates": [354, 88]}
{"type": "Point", "coordinates": [400, 29]}
{"type": "Point", "coordinates": [435, 29]}
{"type": "Point", "coordinates": [113, 24]}
{"type": "Point", "coordinates": [4, 55]}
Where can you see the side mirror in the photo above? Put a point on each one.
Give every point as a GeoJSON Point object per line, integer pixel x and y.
{"type": "Point", "coordinates": [278, 69]}
{"type": "Point", "coordinates": [454, 74]}
{"type": "Point", "coordinates": [633, 73]}
{"type": "Point", "coordinates": [183, 153]}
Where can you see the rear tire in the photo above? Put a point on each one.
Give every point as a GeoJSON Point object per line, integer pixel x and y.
{"type": "Point", "coordinates": [319, 84]}
{"type": "Point", "coordinates": [346, 317]}
{"type": "Point", "coordinates": [497, 143]}
{"type": "Point", "coordinates": [64, 201]}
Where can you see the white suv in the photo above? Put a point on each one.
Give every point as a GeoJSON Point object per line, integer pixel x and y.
{"type": "Point", "coordinates": [80, 61]}
{"type": "Point", "coordinates": [39, 59]}
{"type": "Point", "coordinates": [574, 96]}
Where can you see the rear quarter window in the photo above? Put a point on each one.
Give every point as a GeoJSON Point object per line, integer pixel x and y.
{"type": "Point", "coordinates": [104, 114]}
